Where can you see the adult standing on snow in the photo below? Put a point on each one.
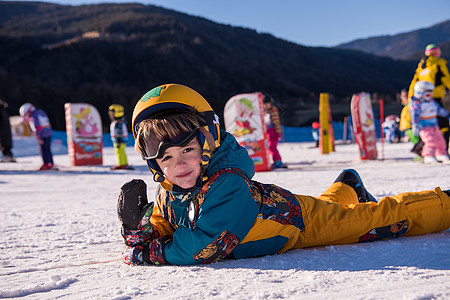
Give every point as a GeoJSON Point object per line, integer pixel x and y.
{"type": "Point", "coordinates": [5, 134]}
{"type": "Point", "coordinates": [40, 125]}
{"type": "Point", "coordinates": [433, 68]}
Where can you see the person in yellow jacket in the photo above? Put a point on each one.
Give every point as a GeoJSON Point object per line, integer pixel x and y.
{"type": "Point", "coordinates": [208, 208]}
{"type": "Point", "coordinates": [433, 68]}
{"type": "Point", "coordinates": [406, 127]}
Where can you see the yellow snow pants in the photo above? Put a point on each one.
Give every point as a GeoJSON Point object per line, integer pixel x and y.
{"type": "Point", "coordinates": [336, 217]}
{"type": "Point", "coordinates": [121, 155]}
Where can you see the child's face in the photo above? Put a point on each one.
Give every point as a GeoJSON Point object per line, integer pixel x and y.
{"type": "Point", "coordinates": [181, 165]}
{"type": "Point", "coordinates": [404, 97]}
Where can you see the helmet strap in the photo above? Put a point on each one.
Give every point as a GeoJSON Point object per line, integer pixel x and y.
{"type": "Point", "coordinates": [158, 176]}
{"type": "Point", "coordinates": [208, 146]}
{"type": "Point", "coordinates": [209, 143]}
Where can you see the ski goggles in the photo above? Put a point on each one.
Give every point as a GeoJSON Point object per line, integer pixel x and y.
{"type": "Point", "coordinates": [426, 94]}
{"type": "Point", "coordinates": [154, 148]}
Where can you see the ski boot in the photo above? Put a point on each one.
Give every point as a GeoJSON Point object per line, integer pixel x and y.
{"type": "Point", "coordinates": [351, 177]}
{"type": "Point", "coordinates": [279, 165]}
{"type": "Point", "coordinates": [430, 160]}
{"type": "Point", "coordinates": [123, 167]}
{"type": "Point", "coordinates": [417, 149]}
{"type": "Point", "coordinates": [47, 167]}
{"type": "Point", "coordinates": [443, 158]}
{"type": "Point", "coordinates": [8, 158]}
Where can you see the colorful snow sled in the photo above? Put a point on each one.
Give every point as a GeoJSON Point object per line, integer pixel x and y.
{"type": "Point", "coordinates": [84, 134]}
{"type": "Point", "coordinates": [244, 118]}
{"type": "Point", "coordinates": [364, 126]}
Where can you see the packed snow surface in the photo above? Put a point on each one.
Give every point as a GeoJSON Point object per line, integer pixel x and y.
{"type": "Point", "coordinates": [60, 236]}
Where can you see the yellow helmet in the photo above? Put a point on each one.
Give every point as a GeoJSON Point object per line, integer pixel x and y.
{"type": "Point", "coordinates": [177, 96]}
{"type": "Point", "coordinates": [116, 110]}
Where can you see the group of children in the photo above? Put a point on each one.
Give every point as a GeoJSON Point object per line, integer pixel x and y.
{"type": "Point", "coordinates": [42, 129]}
{"type": "Point", "coordinates": [208, 208]}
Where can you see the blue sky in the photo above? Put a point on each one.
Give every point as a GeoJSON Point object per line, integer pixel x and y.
{"type": "Point", "coordinates": [312, 22]}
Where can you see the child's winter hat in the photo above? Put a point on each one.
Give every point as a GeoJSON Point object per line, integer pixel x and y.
{"type": "Point", "coordinates": [433, 50]}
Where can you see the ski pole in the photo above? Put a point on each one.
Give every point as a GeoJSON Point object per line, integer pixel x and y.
{"type": "Point", "coordinates": [381, 127]}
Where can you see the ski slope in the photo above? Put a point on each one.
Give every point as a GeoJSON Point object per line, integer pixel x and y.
{"type": "Point", "coordinates": [60, 237]}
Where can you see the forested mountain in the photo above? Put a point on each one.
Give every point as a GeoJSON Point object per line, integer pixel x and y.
{"type": "Point", "coordinates": [114, 53]}
{"type": "Point", "coordinates": [406, 45]}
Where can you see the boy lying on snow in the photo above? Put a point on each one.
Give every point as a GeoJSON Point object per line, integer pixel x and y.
{"type": "Point", "coordinates": [208, 208]}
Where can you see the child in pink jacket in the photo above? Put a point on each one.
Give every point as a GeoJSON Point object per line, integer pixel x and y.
{"type": "Point", "coordinates": [424, 112]}
{"type": "Point", "coordinates": [272, 118]}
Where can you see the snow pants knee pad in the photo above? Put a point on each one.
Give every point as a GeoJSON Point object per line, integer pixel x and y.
{"type": "Point", "coordinates": [427, 211]}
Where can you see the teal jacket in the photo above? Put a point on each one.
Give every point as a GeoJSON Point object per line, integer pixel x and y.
{"type": "Point", "coordinates": [230, 216]}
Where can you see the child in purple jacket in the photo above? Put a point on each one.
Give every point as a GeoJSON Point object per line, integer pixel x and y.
{"type": "Point", "coordinates": [41, 127]}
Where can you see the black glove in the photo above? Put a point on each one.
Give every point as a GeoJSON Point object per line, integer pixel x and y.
{"type": "Point", "coordinates": [134, 212]}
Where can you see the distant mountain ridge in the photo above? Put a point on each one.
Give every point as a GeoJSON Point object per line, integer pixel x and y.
{"type": "Point", "coordinates": [114, 53]}
{"type": "Point", "coordinates": [404, 45]}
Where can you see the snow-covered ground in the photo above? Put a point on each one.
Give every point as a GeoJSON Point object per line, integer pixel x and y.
{"type": "Point", "coordinates": [60, 237]}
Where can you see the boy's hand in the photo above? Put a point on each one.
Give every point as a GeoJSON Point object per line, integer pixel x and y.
{"type": "Point", "coordinates": [132, 255]}
{"type": "Point", "coordinates": [152, 253]}
{"type": "Point", "coordinates": [144, 231]}
{"type": "Point", "coordinates": [134, 212]}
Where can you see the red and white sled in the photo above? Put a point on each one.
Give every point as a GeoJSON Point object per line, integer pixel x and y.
{"type": "Point", "coordinates": [244, 118]}
{"type": "Point", "coordinates": [364, 126]}
{"type": "Point", "coordinates": [84, 134]}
